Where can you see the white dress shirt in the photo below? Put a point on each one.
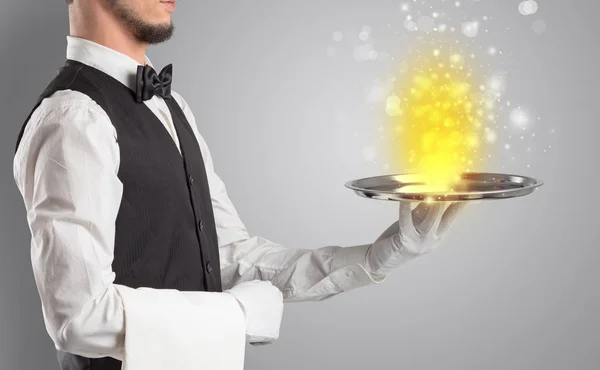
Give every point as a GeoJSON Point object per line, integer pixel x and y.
{"type": "Point", "coordinates": [66, 170]}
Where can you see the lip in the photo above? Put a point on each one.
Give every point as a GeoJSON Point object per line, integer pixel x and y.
{"type": "Point", "coordinates": [169, 4]}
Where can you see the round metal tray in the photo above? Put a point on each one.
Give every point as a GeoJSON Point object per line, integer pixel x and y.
{"type": "Point", "coordinates": [472, 186]}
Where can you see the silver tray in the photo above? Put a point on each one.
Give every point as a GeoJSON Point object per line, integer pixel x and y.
{"type": "Point", "coordinates": [472, 186]}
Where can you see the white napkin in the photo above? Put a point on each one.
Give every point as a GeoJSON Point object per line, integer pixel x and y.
{"type": "Point", "coordinates": [164, 330]}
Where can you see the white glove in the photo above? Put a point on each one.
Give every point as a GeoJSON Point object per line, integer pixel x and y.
{"type": "Point", "coordinates": [262, 304]}
{"type": "Point", "coordinates": [417, 232]}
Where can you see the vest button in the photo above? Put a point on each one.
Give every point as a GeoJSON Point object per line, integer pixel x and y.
{"type": "Point", "coordinates": [201, 225]}
{"type": "Point", "coordinates": [190, 179]}
{"type": "Point", "coordinates": [209, 267]}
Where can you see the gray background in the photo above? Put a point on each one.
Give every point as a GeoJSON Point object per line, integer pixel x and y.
{"type": "Point", "coordinates": [515, 285]}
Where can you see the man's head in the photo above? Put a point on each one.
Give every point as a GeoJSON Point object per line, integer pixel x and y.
{"type": "Point", "coordinates": [149, 21]}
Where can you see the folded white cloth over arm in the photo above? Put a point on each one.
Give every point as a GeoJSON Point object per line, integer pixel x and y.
{"type": "Point", "coordinates": [164, 330]}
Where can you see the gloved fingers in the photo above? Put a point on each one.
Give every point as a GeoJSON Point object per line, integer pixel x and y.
{"type": "Point", "coordinates": [432, 214]}
{"type": "Point", "coordinates": [405, 220]}
{"type": "Point", "coordinates": [420, 212]}
{"type": "Point", "coordinates": [449, 216]}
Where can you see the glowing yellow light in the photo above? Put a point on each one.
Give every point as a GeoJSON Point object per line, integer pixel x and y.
{"type": "Point", "coordinates": [443, 114]}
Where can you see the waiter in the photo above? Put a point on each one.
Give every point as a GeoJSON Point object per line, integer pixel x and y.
{"type": "Point", "coordinates": [139, 256]}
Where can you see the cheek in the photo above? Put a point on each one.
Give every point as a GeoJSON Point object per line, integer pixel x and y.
{"type": "Point", "coordinates": [156, 12]}
{"type": "Point", "coordinates": [148, 10]}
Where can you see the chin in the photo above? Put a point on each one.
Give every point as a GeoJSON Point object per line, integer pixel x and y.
{"type": "Point", "coordinates": [162, 22]}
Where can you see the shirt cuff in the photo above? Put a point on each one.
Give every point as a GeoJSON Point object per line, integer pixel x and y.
{"type": "Point", "coordinates": [349, 270]}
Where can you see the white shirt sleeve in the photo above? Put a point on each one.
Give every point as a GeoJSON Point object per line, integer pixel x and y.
{"type": "Point", "coordinates": [301, 274]}
{"type": "Point", "coordinates": [66, 170]}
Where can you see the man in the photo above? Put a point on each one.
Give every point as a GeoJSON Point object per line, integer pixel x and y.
{"type": "Point", "coordinates": [139, 256]}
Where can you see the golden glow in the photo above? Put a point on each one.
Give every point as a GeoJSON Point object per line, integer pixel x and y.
{"type": "Point", "coordinates": [438, 114]}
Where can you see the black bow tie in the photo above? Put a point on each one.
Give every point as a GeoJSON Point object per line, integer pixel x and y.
{"type": "Point", "coordinates": [148, 83]}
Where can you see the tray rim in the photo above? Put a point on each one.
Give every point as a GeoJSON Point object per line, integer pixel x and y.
{"type": "Point", "coordinates": [537, 183]}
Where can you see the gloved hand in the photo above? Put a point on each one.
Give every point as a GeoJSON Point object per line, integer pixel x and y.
{"type": "Point", "coordinates": [262, 304]}
{"type": "Point", "coordinates": [416, 232]}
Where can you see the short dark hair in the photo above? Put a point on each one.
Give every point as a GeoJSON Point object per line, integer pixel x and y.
{"type": "Point", "coordinates": [69, 2]}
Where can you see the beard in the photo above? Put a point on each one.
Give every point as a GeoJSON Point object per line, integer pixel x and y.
{"type": "Point", "coordinates": [142, 30]}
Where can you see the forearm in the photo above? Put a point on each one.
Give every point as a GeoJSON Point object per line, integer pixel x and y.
{"type": "Point", "coordinates": [301, 274]}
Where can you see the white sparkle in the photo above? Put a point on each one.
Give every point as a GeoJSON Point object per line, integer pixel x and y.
{"type": "Point", "coordinates": [528, 7]}
{"type": "Point", "coordinates": [364, 33]}
{"type": "Point", "coordinates": [491, 136]}
{"type": "Point", "coordinates": [470, 29]}
{"type": "Point", "coordinates": [392, 107]}
{"type": "Point", "coordinates": [519, 117]}
{"type": "Point", "coordinates": [497, 84]}
{"type": "Point", "coordinates": [410, 25]}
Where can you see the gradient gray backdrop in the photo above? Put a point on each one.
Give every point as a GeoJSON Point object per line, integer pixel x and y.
{"type": "Point", "coordinates": [515, 285]}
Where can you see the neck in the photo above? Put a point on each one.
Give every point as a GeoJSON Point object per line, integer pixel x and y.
{"type": "Point", "coordinates": [107, 31]}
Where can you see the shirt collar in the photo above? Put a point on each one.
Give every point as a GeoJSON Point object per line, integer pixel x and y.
{"type": "Point", "coordinates": [115, 64]}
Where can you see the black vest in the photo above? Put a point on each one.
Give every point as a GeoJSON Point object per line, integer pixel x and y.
{"type": "Point", "coordinates": [165, 229]}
